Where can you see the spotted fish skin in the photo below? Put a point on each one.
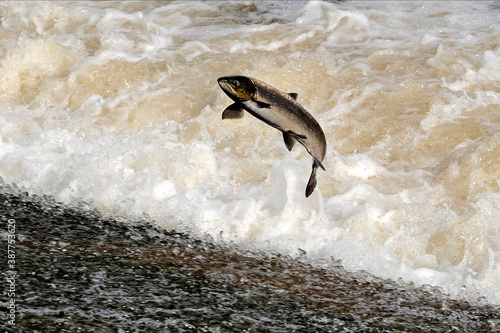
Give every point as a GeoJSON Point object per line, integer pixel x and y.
{"type": "Point", "coordinates": [279, 110]}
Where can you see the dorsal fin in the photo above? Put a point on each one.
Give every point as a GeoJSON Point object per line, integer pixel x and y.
{"type": "Point", "coordinates": [293, 95]}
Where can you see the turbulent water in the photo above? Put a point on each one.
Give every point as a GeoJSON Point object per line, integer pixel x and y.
{"type": "Point", "coordinates": [117, 104]}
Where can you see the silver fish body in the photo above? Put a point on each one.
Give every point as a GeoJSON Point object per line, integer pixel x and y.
{"type": "Point", "coordinates": [279, 110]}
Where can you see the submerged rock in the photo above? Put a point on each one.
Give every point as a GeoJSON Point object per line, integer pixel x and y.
{"type": "Point", "coordinates": [80, 271]}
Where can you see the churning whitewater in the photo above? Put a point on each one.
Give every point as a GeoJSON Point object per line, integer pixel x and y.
{"type": "Point", "coordinates": [116, 104]}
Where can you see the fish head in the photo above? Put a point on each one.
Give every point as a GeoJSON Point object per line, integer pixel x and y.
{"type": "Point", "coordinates": [238, 88]}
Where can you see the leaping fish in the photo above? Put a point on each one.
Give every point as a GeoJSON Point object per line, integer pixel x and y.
{"type": "Point", "coordinates": [279, 110]}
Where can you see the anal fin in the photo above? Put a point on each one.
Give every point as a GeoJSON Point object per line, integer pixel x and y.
{"type": "Point", "coordinates": [318, 162]}
{"type": "Point", "coordinates": [233, 111]}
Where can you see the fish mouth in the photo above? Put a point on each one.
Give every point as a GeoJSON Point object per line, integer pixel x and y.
{"type": "Point", "coordinates": [227, 87]}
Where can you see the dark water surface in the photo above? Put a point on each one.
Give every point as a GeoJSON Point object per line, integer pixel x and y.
{"type": "Point", "coordinates": [79, 271]}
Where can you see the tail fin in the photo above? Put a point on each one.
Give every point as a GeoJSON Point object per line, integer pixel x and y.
{"type": "Point", "coordinates": [311, 185]}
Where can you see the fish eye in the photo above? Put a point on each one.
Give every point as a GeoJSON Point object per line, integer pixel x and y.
{"type": "Point", "coordinates": [234, 83]}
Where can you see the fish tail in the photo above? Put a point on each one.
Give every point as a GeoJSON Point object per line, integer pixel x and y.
{"type": "Point", "coordinates": [311, 185]}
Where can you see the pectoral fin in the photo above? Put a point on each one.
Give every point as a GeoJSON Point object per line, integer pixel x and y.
{"type": "Point", "coordinates": [233, 111]}
{"type": "Point", "coordinates": [263, 105]}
